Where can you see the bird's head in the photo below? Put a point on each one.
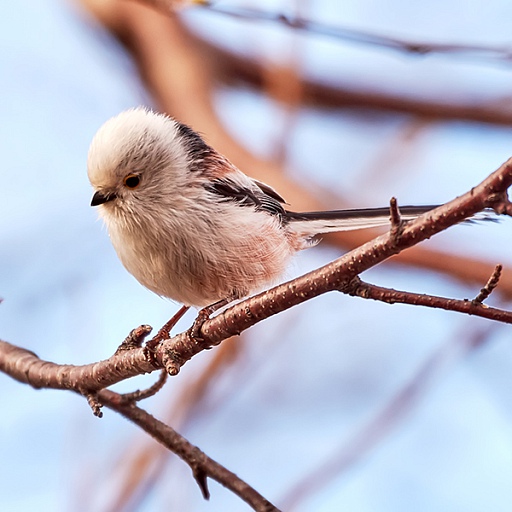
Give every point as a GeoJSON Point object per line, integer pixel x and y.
{"type": "Point", "coordinates": [135, 158]}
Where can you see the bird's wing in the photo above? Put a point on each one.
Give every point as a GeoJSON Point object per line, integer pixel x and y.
{"type": "Point", "coordinates": [247, 192]}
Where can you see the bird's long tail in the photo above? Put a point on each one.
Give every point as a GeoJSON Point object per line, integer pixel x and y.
{"type": "Point", "coordinates": [312, 223]}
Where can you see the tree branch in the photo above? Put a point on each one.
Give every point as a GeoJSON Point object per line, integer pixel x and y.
{"type": "Point", "coordinates": [234, 69]}
{"type": "Point", "coordinates": [230, 67]}
{"type": "Point", "coordinates": [202, 466]}
{"type": "Point", "coordinates": [490, 286]}
{"type": "Point", "coordinates": [22, 365]}
{"type": "Point", "coordinates": [483, 53]}
{"type": "Point", "coordinates": [340, 275]}
{"type": "Point", "coordinates": [390, 296]}
{"type": "Point", "coordinates": [336, 276]}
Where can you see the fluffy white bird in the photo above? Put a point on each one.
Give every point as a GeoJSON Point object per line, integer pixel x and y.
{"type": "Point", "coordinates": [191, 226]}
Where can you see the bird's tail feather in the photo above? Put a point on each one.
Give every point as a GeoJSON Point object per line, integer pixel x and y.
{"type": "Point", "coordinates": [312, 223]}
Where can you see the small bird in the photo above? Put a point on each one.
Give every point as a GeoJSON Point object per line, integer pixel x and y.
{"type": "Point", "coordinates": [191, 226]}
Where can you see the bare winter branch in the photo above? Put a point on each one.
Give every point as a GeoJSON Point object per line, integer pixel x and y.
{"type": "Point", "coordinates": [336, 276]}
{"type": "Point", "coordinates": [483, 53]}
{"type": "Point", "coordinates": [228, 66]}
{"type": "Point", "coordinates": [19, 363]}
{"type": "Point", "coordinates": [391, 296]}
{"type": "Point", "coordinates": [202, 466]}
{"type": "Point", "coordinates": [340, 275]}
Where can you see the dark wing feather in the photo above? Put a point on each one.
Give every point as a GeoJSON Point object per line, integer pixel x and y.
{"type": "Point", "coordinates": [262, 198]}
{"type": "Point", "coordinates": [269, 191]}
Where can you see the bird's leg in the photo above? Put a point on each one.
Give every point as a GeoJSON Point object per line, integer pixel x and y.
{"type": "Point", "coordinates": [164, 332]}
{"type": "Point", "coordinates": [204, 314]}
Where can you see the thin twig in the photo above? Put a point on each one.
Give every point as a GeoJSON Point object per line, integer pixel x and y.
{"type": "Point", "coordinates": [202, 466]}
{"type": "Point", "coordinates": [485, 53]}
{"type": "Point", "coordinates": [94, 404]}
{"type": "Point", "coordinates": [364, 290]}
{"type": "Point", "coordinates": [395, 219]}
{"type": "Point", "coordinates": [164, 333]}
{"type": "Point", "coordinates": [137, 396]}
{"type": "Point", "coordinates": [490, 286]}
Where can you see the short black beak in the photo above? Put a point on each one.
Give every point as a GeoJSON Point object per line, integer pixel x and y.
{"type": "Point", "coordinates": [101, 198]}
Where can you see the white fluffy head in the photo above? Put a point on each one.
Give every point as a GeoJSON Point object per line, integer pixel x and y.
{"type": "Point", "coordinates": [137, 142]}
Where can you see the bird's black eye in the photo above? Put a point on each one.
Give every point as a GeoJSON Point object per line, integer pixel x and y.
{"type": "Point", "coordinates": [131, 181]}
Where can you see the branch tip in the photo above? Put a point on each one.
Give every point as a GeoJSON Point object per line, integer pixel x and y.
{"type": "Point", "coordinates": [201, 477]}
{"type": "Point", "coordinates": [395, 218]}
{"type": "Point", "coordinates": [501, 204]}
{"type": "Point", "coordinates": [172, 367]}
{"type": "Point", "coordinates": [94, 404]}
{"type": "Point", "coordinates": [490, 286]}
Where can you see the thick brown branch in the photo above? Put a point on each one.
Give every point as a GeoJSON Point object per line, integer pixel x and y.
{"type": "Point", "coordinates": [25, 366]}
{"type": "Point", "coordinates": [338, 275]}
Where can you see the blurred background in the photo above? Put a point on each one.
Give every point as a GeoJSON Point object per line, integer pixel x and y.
{"type": "Point", "coordinates": [339, 404]}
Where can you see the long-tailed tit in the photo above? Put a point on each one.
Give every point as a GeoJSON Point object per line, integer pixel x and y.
{"type": "Point", "coordinates": [187, 223]}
